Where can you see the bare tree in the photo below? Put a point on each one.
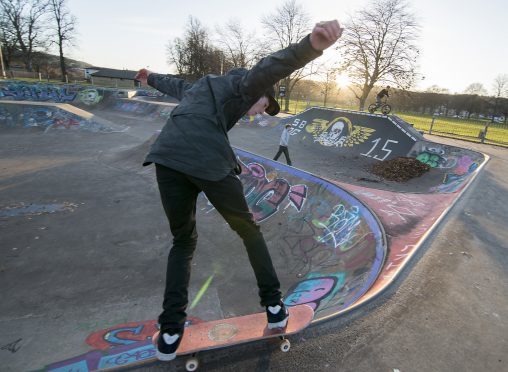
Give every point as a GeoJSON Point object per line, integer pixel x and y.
{"type": "Point", "coordinates": [379, 45]}
{"type": "Point", "coordinates": [25, 22]}
{"type": "Point", "coordinates": [63, 27]}
{"type": "Point", "coordinates": [500, 87]}
{"type": "Point", "coordinates": [193, 55]}
{"type": "Point", "coordinates": [476, 88]}
{"type": "Point", "coordinates": [286, 26]}
{"type": "Point", "coordinates": [8, 41]}
{"type": "Point", "coordinates": [238, 45]}
{"type": "Point", "coordinates": [328, 85]}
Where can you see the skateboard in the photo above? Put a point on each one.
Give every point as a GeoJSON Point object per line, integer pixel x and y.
{"type": "Point", "coordinates": [238, 330]}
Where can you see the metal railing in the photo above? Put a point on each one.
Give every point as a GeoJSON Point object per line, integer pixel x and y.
{"type": "Point", "coordinates": [483, 131]}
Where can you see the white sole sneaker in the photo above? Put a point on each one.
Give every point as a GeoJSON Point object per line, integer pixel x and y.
{"type": "Point", "coordinates": [280, 324]}
{"type": "Point", "coordinates": [165, 357]}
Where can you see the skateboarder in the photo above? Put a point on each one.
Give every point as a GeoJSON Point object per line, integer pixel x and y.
{"type": "Point", "coordinates": [283, 145]}
{"type": "Point", "coordinates": [193, 154]}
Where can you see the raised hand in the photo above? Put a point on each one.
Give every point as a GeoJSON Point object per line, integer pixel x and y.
{"type": "Point", "coordinates": [325, 34]}
{"type": "Point", "coordinates": [142, 76]}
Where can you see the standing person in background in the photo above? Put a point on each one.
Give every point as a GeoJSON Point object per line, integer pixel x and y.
{"type": "Point", "coordinates": [283, 145]}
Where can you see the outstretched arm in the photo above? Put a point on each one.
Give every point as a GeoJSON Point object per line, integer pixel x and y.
{"type": "Point", "coordinates": [280, 64]}
{"type": "Point", "coordinates": [167, 84]}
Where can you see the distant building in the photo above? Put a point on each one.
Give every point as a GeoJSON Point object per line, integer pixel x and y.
{"type": "Point", "coordinates": [111, 77]}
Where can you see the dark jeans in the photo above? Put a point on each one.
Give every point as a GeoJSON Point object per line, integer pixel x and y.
{"type": "Point", "coordinates": [283, 149]}
{"type": "Point", "coordinates": [179, 193]}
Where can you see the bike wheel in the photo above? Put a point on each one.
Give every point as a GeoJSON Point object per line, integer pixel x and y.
{"type": "Point", "coordinates": [372, 108]}
{"type": "Point", "coordinates": [386, 109]}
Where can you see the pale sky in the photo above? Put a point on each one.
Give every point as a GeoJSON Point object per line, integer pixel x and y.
{"type": "Point", "coordinates": [461, 41]}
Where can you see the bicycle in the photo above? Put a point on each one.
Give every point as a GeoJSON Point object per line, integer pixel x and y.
{"type": "Point", "coordinates": [385, 107]}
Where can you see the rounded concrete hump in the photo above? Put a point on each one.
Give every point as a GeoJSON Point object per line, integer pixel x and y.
{"type": "Point", "coordinates": [327, 247]}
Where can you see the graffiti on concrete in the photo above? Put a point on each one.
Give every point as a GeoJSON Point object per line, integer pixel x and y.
{"type": "Point", "coordinates": [453, 182]}
{"type": "Point", "coordinates": [132, 106]}
{"type": "Point", "coordinates": [406, 218]}
{"type": "Point", "coordinates": [266, 192]}
{"type": "Point", "coordinates": [123, 334]}
{"type": "Point", "coordinates": [322, 230]}
{"type": "Point", "coordinates": [8, 119]}
{"type": "Point", "coordinates": [46, 118]}
{"type": "Point", "coordinates": [117, 346]}
{"type": "Point", "coordinates": [37, 92]}
{"type": "Point", "coordinates": [339, 132]}
{"type": "Point", "coordinates": [457, 164]}
{"type": "Point", "coordinates": [146, 109]}
{"type": "Point", "coordinates": [34, 209]}
{"type": "Point", "coordinates": [13, 347]}
{"type": "Point", "coordinates": [330, 242]}
{"type": "Point", "coordinates": [80, 95]}
{"type": "Point", "coordinates": [264, 196]}
{"type": "Point", "coordinates": [435, 156]}
{"type": "Point", "coordinates": [340, 227]}
{"type": "Point", "coordinates": [314, 289]}
{"type": "Point", "coordinates": [89, 96]}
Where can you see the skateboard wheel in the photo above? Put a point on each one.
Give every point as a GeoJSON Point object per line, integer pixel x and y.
{"type": "Point", "coordinates": [191, 364]}
{"type": "Point", "coordinates": [285, 345]}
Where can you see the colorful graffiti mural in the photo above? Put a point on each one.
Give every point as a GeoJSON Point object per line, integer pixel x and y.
{"type": "Point", "coordinates": [264, 196]}
{"type": "Point", "coordinates": [457, 165]}
{"type": "Point", "coordinates": [79, 95]}
{"type": "Point", "coordinates": [21, 91]}
{"type": "Point", "coordinates": [325, 232]}
{"type": "Point", "coordinates": [118, 346]}
{"type": "Point", "coordinates": [47, 118]}
{"type": "Point", "coordinates": [339, 132]}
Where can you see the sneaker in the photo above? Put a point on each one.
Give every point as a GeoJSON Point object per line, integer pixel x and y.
{"type": "Point", "coordinates": [167, 343]}
{"type": "Point", "coordinates": [277, 315]}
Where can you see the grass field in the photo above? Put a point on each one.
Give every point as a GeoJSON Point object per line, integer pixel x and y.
{"type": "Point", "coordinates": [442, 126]}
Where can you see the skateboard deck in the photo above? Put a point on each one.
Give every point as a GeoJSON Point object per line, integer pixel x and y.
{"type": "Point", "coordinates": [218, 334]}
{"type": "Point", "coordinates": [238, 330]}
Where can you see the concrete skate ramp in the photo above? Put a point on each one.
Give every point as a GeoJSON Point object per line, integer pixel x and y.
{"type": "Point", "coordinates": [345, 144]}
{"type": "Point", "coordinates": [327, 247]}
{"type": "Point", "coordinates": [326, 235]}
{"type": "Point", "coordinates": [51, 116]}
{"type": "Point", "coordinates": [350, 133]}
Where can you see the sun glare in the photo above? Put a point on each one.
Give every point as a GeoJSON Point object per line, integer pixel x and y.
{"type": "Point", "coordinates": [342, 80]}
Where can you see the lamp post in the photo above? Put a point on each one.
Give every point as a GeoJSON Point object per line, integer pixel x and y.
{"type": "Point", "coordinates": [2, 62]}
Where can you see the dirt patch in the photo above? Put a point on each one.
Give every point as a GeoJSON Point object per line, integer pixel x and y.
{"type": "Point", "coordinates": [400, 169]}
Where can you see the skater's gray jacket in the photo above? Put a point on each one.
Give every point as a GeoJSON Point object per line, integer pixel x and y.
{"type": "Point", "coordinates": [194, 140]}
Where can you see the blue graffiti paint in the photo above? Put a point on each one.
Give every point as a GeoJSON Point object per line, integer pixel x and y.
{"type": "Point", "coordinates": [33, 209]}
{"type": "Point", "coordinates": [112, 336]}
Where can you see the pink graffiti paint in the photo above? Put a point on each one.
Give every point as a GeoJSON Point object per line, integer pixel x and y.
{"type": "Point", "coordinates": [297, 195]}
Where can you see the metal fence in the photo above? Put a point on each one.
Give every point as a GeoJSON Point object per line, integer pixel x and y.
{"type": "Point", "coordinates": [482, 131]}
{"type": "Point", "coordinates": [72, 77]}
